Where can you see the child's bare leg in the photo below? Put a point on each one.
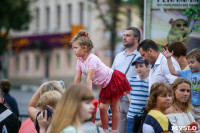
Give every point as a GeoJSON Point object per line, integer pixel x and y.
{"type": "Point", "coordinates": [103, 114]}
{"type": "Point", "coordinates": [115, 114]}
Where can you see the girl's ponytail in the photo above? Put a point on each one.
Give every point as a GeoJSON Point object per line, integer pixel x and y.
{"type": "Point", "coordinates": [84, 39]}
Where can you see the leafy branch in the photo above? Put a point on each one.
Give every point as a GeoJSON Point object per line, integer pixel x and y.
{"type": "Point", "coordinates": [193, 13]}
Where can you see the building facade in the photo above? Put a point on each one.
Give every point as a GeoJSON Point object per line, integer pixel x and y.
{"type": "Point", "coordinates": [43, 52]}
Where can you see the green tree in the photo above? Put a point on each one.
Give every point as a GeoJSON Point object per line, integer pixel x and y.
{"type": "Point", "coordinates": [110, 18]}
{"type": "Point", "coordinates": [193, 13]}
{"type": "Point", "coordinates": [15, 16]}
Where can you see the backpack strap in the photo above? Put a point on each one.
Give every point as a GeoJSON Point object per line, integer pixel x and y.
{"type": "Point", "coordinates": [5, 114]}
{"type": "Point", "coordinates": [98, 129]}
{"type": "Point", "coordinates": [130, 64]}
{"type": "Point", "coordinates": [4, 129]}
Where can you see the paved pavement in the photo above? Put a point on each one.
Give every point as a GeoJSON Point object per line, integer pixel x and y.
{"type": "Point", "coordinates": [23, 97]}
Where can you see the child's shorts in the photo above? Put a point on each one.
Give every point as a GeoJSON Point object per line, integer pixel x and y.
{"type": "Point", "coordinates": [115, 89]}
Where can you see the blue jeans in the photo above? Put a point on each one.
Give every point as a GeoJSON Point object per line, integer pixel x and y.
{"type": "Point", "coordinates": [130, 125]}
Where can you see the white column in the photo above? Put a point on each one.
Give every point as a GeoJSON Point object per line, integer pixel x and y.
{"type": "Point", "coordinates": [53, 17]}
{"type": "Point", "coordinates": [42, 16]}
{"type": "Point", "coordinates": [75, 12]}
{"type": "Point", "coordinates": [63, 21]}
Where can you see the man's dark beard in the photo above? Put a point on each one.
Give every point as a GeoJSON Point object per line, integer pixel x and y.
{"type": "Point", "coordinates": [129, 45]}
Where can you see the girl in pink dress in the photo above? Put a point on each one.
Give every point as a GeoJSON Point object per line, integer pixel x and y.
{"type": "Point", "coordinates": [113, 83]}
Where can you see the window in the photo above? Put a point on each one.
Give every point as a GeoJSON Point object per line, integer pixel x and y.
{"type": "Point", "coordinates": [37, 62]}
{"type": "Point", "coordinates": [47, 17]}
{"type": "Point", "coordinates": [27, 63]}
{"type": "Point", "coordinates": [69, 58]}
{"type": "Point", "coordinates": [129, 17]}
{"type": "Point", "coordinates": [37, 17]}
{"type": "Point", "coordinates": [69, 7]}
{"type": "Point", "coordinates": [58, 16]}
{"type": "Point", "coordinates": [57, 61]}
{"type": "Point", "coordinates": [81, 12]}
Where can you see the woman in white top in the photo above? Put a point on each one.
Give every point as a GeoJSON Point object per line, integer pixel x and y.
{"type": "Point", "coordinates": [179, 113]}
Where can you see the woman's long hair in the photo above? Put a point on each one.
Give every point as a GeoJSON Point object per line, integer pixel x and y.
{"type": "Point", "coordinates": [157, 89]}
{"type": "Point", "coordinates": [187, 106]}
{"type": "Point", "coordinates": [67, 109]}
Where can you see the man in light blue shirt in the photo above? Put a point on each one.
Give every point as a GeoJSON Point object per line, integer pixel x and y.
{"type": "Point", "coordinates": [122, 63]}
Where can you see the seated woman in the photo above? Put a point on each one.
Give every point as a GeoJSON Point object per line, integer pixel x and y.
{"type": "Point", "coordinates": [46, 87]}
{"type": "Point", "coordinates": [159, 100]}
{"type": "Point", "coordinates": [74, 107]}
{"type": "Point", "coordinates": [47, 102]}
{"type": "Point", "coordinates": [178, 113]}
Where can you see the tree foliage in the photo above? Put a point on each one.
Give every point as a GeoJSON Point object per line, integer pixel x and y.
{"type": "Point", "coordinates": [110, 18]}
{"type": "Point", "coordinates": [193, 13]}
{"type": "Point", "coordinates": [14, 15]}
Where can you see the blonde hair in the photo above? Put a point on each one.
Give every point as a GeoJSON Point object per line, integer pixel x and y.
{"type": "Point", "coordinates": [51, 85]}
{"type": "Point", "coordinates": [84, 39]}
{"type": "Point", "coordinates": [67, 110]}
{"type": "Point", "coordinates": [195, 53]}
{"type": "Point", "coordinates": [49, 98]}
{"type": "Point", "coordinates": [174, 86]}
{"type": "Point", "coordinates": [157, 89]}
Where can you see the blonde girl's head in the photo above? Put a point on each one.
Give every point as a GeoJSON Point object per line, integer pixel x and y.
{"type": "Point", "coordinates": [51, 85]}
{"type": "Point", "coordinates": [83, 38]}
{"type": "Point", "coordinates": [50, 98]}
{"type": "Point", "coordinates": [68, 108]}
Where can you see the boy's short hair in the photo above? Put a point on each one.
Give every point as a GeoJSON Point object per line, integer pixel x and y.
{"type": "Point", "coordinates": [195, 53]}
{"type": "Point", "coordinates": [140, 60]}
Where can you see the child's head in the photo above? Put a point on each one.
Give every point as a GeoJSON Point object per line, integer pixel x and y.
{"type": "Point", "coordinates": [193, 58]}
{"type": "Point", "coordinates": [82, 37]}
{"type": "Point", "coordinates": [50, 98]}
{"type": "Point", "coordinates": [141, 67]}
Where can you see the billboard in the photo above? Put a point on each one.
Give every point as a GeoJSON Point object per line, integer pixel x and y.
{"type": "Point", "coordinates": [166, 21]}
{"type": "Point", "coordinates": [41, 41]}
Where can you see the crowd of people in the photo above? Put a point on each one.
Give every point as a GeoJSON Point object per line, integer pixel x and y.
{"type": "Point", "coordinates": [164, 82]}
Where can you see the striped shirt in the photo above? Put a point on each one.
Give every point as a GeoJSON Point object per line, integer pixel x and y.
{"type": "Point", "coordinates": [156, 122]}
{"type": "Point", "coordinates": [102, 75]}
{"type": "Point", "coordinates": [109, 112]}
{"type": "Point", "coordinates": [138, 95]}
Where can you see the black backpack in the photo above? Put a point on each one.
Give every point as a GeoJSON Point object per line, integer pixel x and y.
{"type": "Point", "coordinates": [9, 123]}
{"type": "Point", "coordinates": [139, 120]}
